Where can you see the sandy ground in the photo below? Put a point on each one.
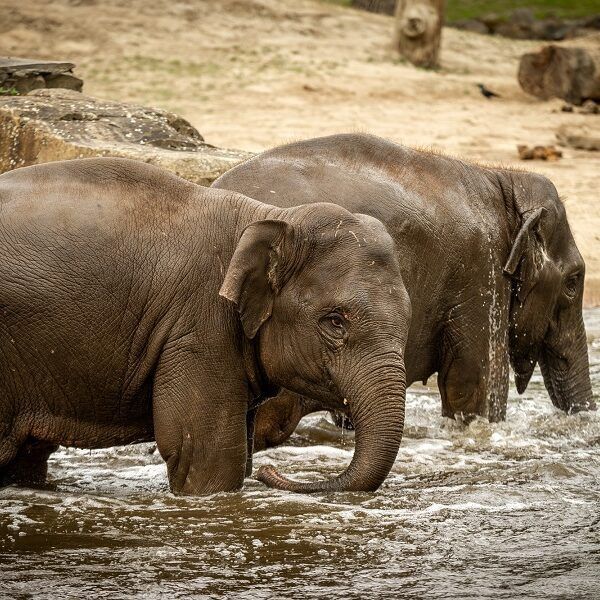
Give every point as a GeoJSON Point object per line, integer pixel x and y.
{"type": "Point", "coordinates": [252, 74]}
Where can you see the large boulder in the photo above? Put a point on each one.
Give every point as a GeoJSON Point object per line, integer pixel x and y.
{"type": "Point", "coordinates": [56, 124]}
{"type": "Point", "coordinates": [561, 72]}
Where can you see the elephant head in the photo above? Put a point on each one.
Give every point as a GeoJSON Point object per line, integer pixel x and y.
{"type": "Point", "coordinates": [547, 274]}
{"type": "Point", "coordinates": [318, 291]}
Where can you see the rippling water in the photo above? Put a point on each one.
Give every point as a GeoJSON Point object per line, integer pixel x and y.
{"type": "Point", "coordinates": [508, 510]}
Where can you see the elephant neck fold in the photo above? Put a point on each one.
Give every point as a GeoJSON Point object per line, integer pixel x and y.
{"type": "Point", "coordinates": [260, 386]}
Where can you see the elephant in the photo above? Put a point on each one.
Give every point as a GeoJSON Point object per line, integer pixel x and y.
{"type": "Point", "coordinates": [135, 305]}
{"type": "Point", "coordinates": [486, 255]}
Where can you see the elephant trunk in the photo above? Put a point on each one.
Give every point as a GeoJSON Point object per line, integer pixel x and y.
{"type": "Point", "coordinates": [377, 410]}
{"type": "Point", "coordinates": [566, 372]}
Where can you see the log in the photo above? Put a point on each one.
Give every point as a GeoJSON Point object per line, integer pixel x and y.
{"type": "Point", "coordinates": [556, 72]}
{"type": "Point", "coordinates": [418, 31]}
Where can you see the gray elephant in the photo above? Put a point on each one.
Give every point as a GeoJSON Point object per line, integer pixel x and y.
{"type": "Point", "coordinates": [135, 305]}
{"type": "Point", "coordinates": [486, 255]}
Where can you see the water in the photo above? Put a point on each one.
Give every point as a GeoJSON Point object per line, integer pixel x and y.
{"type": "Point", "coordinates": [509, 510]}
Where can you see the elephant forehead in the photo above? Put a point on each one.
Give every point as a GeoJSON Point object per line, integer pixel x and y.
{"type": "Point", "coordinates": [373, 265]}
{"type": "Point", "coordinates": [357, 294]}
{"type": "Point", "coordinates": [359, 241]}
{"type": "Point", "coordinates": [332, 226]}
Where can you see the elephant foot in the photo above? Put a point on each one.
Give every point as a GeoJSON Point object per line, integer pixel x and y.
{"type": "Point", "coordinates": [30, 465]}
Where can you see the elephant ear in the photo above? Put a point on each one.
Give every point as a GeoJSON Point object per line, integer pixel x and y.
{"type": "Point", "coordinates": [526, 256]}
{"type": "Point", "coordinates": [257, 271]}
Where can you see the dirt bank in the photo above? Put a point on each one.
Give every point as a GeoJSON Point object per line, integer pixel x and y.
{"type": "Point", "coordinates": [252, 74]}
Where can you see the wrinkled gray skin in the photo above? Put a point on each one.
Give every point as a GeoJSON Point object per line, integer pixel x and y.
{"type": "Point", "coordinates": [486, 255]}
{"type": "Point", "coordinates": [137, 305]}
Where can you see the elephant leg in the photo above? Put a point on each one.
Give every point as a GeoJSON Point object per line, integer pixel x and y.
{"type": "Point", "coordinates": [473, 378]}
{"type": "Point", "coordinates": [278, 417]}
{"type": "Point", "coordinates": [462, 386]}
{"type": "Point", "coordinates": [29, 467]}
{"type": "Point", "coordinates": [250, 422]}
{"type": "Point", "coordinates": [200, 423]}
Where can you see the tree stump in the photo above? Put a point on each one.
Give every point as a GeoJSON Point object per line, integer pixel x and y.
{"type": "Point", "coordinates": [569, 73]}
{"type": "Point", "coordinates": [418, 30]}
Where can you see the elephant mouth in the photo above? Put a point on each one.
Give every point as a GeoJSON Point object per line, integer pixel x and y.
{"type": "Point", "coordinates": [342, 420]}
{"type": "Point", "coordinates": [523, 367]}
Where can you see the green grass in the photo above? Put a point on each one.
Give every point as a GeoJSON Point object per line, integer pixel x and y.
{"type": "Point", "coordinates": [469, 9]}
{"type": "Point", "coordinates": [339, 2]}
{"type": "Point", "coordinates": [11, 91]}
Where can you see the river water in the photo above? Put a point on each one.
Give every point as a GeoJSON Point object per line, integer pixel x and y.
{"type": "Point", "coordinates": [508, 510]}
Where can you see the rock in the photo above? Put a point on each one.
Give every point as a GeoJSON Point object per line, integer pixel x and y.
{"type": "Point", "coordinates": [491, 20]}
{"type": "Point", "coordinates": [549, 153]}
{"type": "Point", "coordinates": [518, 26]}
{"type": "Point", "coordinates": [49, 125]}
{"type": "Point", "coordinates": [570, 73]}
{"type": "Point", "coordinates": [522, 24]}
{"type": "Point", "coordinates": [582, 137]}
{"type": "Point", "coordinates": [25, 75]}
{"type": "Point", "coordinates": [386, 7]}
{"type": "Point", "coordinates": [472, 25]}
{"type": "Point", "coordinates": [592, 22]}
{"type": "Point", "coordinates": [589, 107]}
{"type": "Point", "coordinates": [523, 17]}
{"type": "Point", "coordinates": [551, 30]}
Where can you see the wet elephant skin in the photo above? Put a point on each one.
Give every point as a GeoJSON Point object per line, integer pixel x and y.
{"type": "Point", "coordinates": [136, 305]}
{"type": "Point", "coordinates": [486, 254]}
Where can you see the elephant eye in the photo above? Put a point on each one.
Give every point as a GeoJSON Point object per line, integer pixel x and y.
{"type": "Point", "coordinates": [572, 285]}
{"type": "Point", "coordinates": [337, 320]}
{"type": "Point", "coordinates": [333, 327]}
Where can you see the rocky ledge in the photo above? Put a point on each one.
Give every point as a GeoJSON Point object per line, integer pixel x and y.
{"type": "Point", "coordinates": [22, 75]}
{"type": "Point", "coordinates": [58, 124]}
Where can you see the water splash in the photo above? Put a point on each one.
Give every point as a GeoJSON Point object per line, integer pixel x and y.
{"type": "Point", "coordinates": [505, 510]}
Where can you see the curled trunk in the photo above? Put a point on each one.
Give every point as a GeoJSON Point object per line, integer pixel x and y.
{"type": "Point", "coordinates": [377, 410]}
